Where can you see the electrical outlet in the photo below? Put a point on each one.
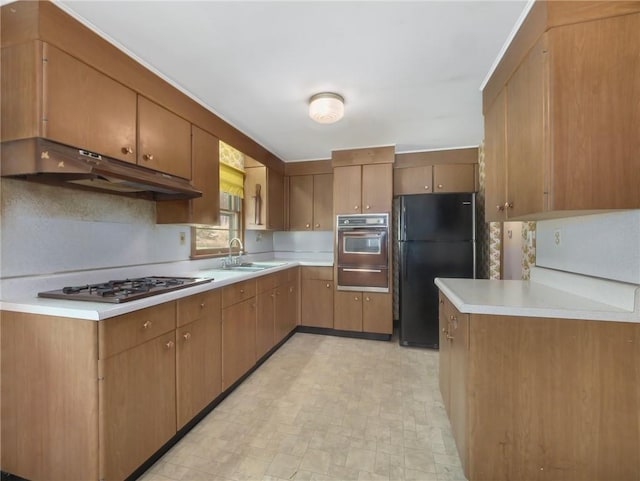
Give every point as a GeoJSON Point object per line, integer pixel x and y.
{"type": "Point", "coordinates": [183, 238]}
{"type": "Point", "coordinates": [557, 238]}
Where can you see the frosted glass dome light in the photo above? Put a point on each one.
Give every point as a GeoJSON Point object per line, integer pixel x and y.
{"type": "Point", "coordinates": [326, 107]}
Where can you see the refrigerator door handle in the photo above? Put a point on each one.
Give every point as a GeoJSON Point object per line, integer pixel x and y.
{"type": "Point", "coordinates": [404, 223]}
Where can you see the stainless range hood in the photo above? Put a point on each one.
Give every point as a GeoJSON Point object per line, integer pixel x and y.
{"type": "Point", "coordinates": [42, 160]}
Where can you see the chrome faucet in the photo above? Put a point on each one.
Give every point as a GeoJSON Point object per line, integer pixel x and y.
{"type": "Point", "coordinates": [230, 261]}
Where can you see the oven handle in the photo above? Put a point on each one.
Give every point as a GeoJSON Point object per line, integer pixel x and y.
{"type": "Point", "coordinates": [345, 269]}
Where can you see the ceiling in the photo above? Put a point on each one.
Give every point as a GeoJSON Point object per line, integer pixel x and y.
{"type": "Point", "coordinates": [410, 72]}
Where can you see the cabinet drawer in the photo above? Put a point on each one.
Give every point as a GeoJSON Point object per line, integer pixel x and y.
{"type": "Point", "coordinates": [317, 272]}
{"type": "Point", "coordinates": [203, 305]}
{"type": "Point", "coordinates": [271, 281]}
{"type": "Point", "coordinates": [238, 292]}
{"type": "Point", "coordinates": [120, 333]}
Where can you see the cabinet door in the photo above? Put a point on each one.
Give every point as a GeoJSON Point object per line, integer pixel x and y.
{"type": "Point", "coordinates": [347, 311]}
{"type": "Point", "coordinates": [495, 145]}
{"type": "Point", "coordinates": [347, 189]}
{"type": "Point", "coordinates": [413, 180]}
{"type": "Point", "coordinates": [164, 140]}
{"type": "Point", "coordinates": [301, 202]}
{"type": "Point", "coordinates": [275, 200]}
{"type": "Point", "coordinates": [137, 404]}
{"type": "Point", "coordinates": [265, 322]}
{"type": "Point", "coordinates": [238, 340]}
{"type": "Point", "coordinates": [282, 313]}
{"type": "Point", "coordinates": [377, 313]}
{"type": "Point", "coordinates": [316, 303]}
{"type": "Point", "coordinates": [444, 352]}
{"type": "Point", "coordinates": [323, 202]}
{"type": "Point", "coordinates": [198, 366]}
{"type": "Point", "coordinates": [459, 330]}
{"type": "Point", "coordinates": [377, 188]}
{"type": "Point", "coordinates": [454, 178]}
{"type": "Point", "coordinates": [206, 178]}
{"type": "Point", "coordinates": [527, 140]}
{"type": "Point", "coordinates": [87, 109]}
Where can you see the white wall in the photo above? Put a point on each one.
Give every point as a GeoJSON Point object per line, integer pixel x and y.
{"type": "Point", "coordinates": [602, 245]}
{"type": "Point", "coordinates": [49, 229]}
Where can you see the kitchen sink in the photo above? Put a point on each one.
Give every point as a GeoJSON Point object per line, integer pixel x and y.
{"type": "Point", "coordinates": [253, 266]}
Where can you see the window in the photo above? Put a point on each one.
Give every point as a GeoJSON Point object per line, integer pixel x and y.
{"type": "Point", "coordinates": [214, 240]}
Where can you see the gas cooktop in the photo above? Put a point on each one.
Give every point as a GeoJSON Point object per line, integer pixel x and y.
{"type": "Point", "coordinates": [124, 290]}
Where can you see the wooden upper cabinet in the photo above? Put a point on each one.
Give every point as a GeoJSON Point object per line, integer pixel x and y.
{"type": "Point", "coordinates": [301, 202]}
{"type": "Point", "coordinates": [495, 145]}
{"type": "Point", "coordinates": [363, 188]}
{"type": "Point", "coordinates": [205, 162]}
{"type": "Point", "coordinates": [164, 139]}
{"type": "Point", "coordinates": [311, 202]}
{"type": "Point", "coordinates": [571, 132]}
{"type": "Point", "coordinates": [454, 178]}
{"type": "Point", "coordinates": [84, 108]}
{"type": "Point", "coordinates": [377, 188]}
{"type": "Point", "coordinates": [526, 134]}
{"type": "Point", "coordinates": [323, 202]}
{"type": "Point", "coordinates": [413, 180]}
{"type": "Point", "coordinates": [270, 215]}
{"type": "Point", "coordinates": [347, 189]}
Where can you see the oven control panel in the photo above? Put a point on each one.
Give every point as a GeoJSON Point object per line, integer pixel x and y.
{"type": "Point", "coordinates": [363, 220]}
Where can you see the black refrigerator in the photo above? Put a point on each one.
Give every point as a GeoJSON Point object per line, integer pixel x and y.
{"type": "Point", "coordinates": [435, 238]}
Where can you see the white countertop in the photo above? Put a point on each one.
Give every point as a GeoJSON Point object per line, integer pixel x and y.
{"type": "Point", "coordinates": [25, 299]}
{"type": "Point", "coordinates": [549, 294]}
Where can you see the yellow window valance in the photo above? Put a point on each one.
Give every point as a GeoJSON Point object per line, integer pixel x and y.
{"type": "Point", "coordinates": [231, 180]}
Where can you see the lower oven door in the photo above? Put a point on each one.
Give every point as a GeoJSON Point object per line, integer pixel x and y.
{"type": "Point", "coordinates": [367, 279]}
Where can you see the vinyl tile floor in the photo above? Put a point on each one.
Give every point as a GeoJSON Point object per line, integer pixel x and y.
{"type": "Point", "coordinates": [325, 408]}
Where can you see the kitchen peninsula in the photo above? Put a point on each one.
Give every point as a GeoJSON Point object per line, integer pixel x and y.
{"type": "Point", "coordinates": [541, 378]}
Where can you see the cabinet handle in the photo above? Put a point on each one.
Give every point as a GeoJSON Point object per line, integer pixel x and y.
{"type": "Point", "coordinates": [449, 337]}
{"type": "Point", "coordinates": [307, 225]}
{"type": "Point", "coordinates": [367, 299]}
{"type": "Point", "coordinates": [499, 208]}
{"type": "Point", "coordinates": [241, 291]}
{"type": "Point", "coordinates": [187, 336]}
{"type": "Point", "coordinates": [452, 317]}
{"type": "Point", "coordinates": [367, 207]}
{"type": "Point", "coordinates": [168, 345]}
{"type": "Point", "coordinates": [147, 325]}
{"type": "Point", "coordinates": [441, 301]}
{"type": "Point", "coordinates": [277, 293]}
{"type": "Point", "coordinates": [147, 157]}
{"type": "Point", "coordinates": [355, 207]}
{"type": "Point", "coordinates": [328, 285]}
{"type": "Point", "coordinates": [272, 296]}
{"type": "Point", "coordinates": [290, 289]}
{"type": "Point", "coordinates": [440, 186]}
{"type": "Point", "coordinates": [426, 187]}
{"type": "Point", "coordinates": [127, 150]}
{"type": "Point", "coordinates": [508, 205]}
{"type": "Point", "coordinates": [356, 298]}
{"type": "Point", "coordinates": [317, 225]}
{"type": "Point", "coordinates": [202, 306]}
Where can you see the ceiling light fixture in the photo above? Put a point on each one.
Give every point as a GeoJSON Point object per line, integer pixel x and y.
{"type": "Point", "coordinates": [326, 107]}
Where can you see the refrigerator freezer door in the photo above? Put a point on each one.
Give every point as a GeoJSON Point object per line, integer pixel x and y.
{"type": "Point", "coordinates": [437, 217]}
{"type": "Point", "coordinates": [420, 264]}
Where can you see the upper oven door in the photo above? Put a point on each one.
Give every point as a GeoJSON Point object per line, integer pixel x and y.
{"type": "Point", "coordinates": [363, 247]}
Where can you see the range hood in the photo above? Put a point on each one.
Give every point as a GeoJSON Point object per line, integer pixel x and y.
{"type": "Point", "coordinates": [42, 160]}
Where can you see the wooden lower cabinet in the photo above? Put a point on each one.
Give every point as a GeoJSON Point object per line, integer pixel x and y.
{"type": "Point", "coordinates": [542, 398]}
{"type": "Point", "coordinates": [265, 322]}
{"type": "Point", "coordinates": [137, 405]}
{"type": "Point", "coordinates": [363, 311]}
{"type": "Point", "coordinates": [286, 310]}
{"type": "Point", "coordinates": [198, 354]}
{"type": "Point", "coordinates": [238, 340]}
{"type": "Point", "coordinates": [316, 296]}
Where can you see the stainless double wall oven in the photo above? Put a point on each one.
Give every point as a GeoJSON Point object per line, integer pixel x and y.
{"type": "Point", "coordinates": [363, 252]}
